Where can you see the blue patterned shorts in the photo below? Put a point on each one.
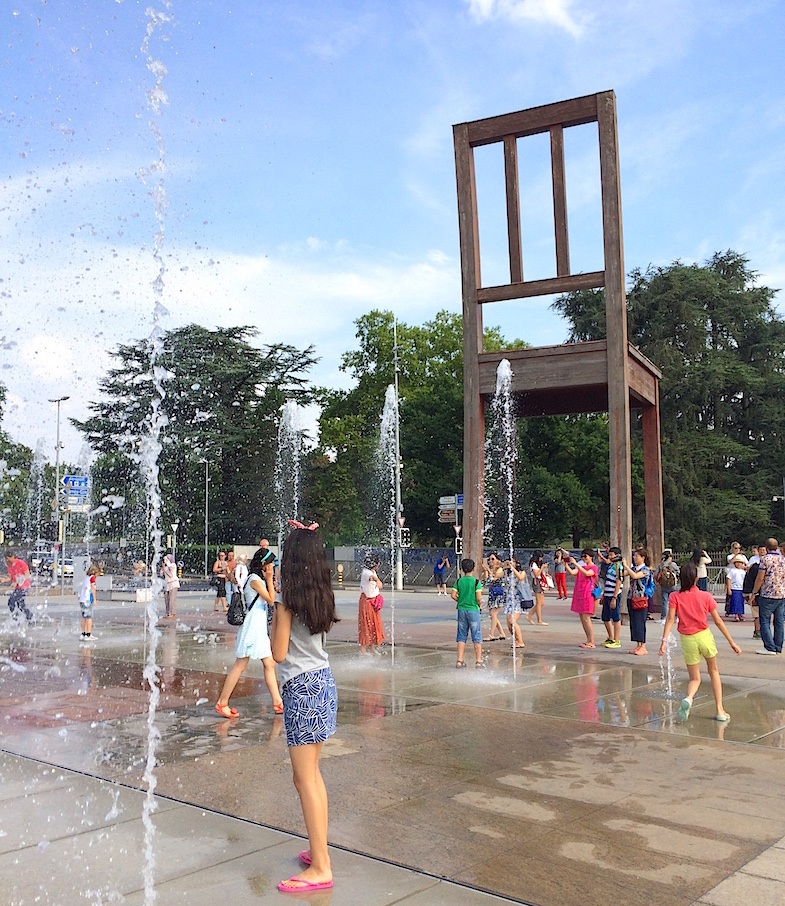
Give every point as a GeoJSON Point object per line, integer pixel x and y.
{"type": "Point", "coordinates": [310, 707]}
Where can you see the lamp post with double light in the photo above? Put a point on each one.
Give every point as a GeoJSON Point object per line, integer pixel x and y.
{"type": "Point", "coordinates": [207, 465]}
{"type": "Point", "coordinates": [58, 491]}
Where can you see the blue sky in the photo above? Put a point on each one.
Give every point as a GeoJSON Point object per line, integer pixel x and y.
{"type": "Point", "coordinates": [309, 165]}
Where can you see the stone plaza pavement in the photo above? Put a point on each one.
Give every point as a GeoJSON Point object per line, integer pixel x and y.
{"type": "Point", "coordinates": [558, 777]}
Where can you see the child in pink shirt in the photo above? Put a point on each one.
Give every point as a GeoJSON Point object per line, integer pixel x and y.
{"type": "Point", "coordinates": [693, 607]}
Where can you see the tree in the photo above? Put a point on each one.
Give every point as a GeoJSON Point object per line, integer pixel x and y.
{"type": "Point", "coordinates": [342, 487]}
{"type": "Point", "coordinates": [720, 344]}
{"type": "Point", "coordinates": [15, 462]}
{"type": "Point", "coordinates": [222, 402]}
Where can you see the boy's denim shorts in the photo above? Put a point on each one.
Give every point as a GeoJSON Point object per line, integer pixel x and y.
{"type": "Point", "coordinates": [469, 621]}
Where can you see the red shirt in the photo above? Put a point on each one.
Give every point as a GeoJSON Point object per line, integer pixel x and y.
{"type": "Point", "coordinates": [692, 608]}
{"type": "Point", "coordinates": [16, 569]}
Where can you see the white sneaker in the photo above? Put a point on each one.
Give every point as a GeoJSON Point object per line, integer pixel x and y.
{"type": "Point", "coordinates": [766, 651]}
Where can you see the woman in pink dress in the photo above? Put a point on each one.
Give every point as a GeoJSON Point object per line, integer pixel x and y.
{"type": "Point", "coordinates": [583, 601]}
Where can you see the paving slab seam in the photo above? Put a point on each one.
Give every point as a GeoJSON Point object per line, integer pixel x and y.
{"type": "Point", "coordinates": [764, 885]}
{"type": "Point", "coordinates": [222, 814]}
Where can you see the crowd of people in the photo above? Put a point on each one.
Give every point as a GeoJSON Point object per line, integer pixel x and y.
{"type": "Point", "coordinates": [600, 575]}
{"type": "Point", "coordinates": [289, 608]}
{"type": "Point", "coordinates": [757, 582]}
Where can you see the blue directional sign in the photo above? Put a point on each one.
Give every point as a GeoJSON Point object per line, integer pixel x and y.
{"type": "Point", "coordinates": [77, 484]}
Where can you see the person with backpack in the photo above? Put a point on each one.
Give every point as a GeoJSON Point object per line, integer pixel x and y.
{"type": "Point", "coordinates": [666, 575]}
{"type": "Point", "coordinates": [467, 594]}
{"type": "Point", "coordinates": [253, 640]}
{"type": "Point", "coordinates": [641, 589]}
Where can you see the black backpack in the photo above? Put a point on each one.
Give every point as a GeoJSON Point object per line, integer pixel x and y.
{"type": "Point", "coordinates": [235, 615]}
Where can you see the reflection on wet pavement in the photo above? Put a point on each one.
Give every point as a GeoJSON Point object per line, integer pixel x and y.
{"type": "Point", "coordinates": [60, 696]}
{"type": "Point", "coordinates": [577, 754]}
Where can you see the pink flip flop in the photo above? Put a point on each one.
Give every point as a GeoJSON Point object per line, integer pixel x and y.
{"type": "Point", "coordinates": [586, 645]}
{"type": "Point", "coordinates": [298, 885]}
{"type": "Point", "coordinates": [304, 856]}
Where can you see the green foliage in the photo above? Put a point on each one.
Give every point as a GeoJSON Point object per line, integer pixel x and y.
{"type": "Point", "coordinates": [721, 347]}
{"type": "Point", "coordinates": [223, 397]}
{"type": "Point", "coordinates": [15, 462]}
{"type": "Point", "coordinates": [430, 379]}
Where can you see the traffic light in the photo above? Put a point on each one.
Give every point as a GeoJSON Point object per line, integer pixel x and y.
{"type": "Point", "coordinates": [406, 537]}
{"type": "Point", "coordinates": [458, 545]}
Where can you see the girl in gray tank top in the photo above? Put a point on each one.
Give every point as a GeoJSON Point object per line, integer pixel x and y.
{"type": "Point", "coordinates": [301, 622]}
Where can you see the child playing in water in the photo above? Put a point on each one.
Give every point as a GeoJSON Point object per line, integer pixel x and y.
{"type": "Point", "coordinates": [693, 606]}
{"type": "Point", "coordinates": [301, 622]}
{"type": "Point", "coordinates": [87, 601]}
{"type": "Point", "coordinates": [467, 593]}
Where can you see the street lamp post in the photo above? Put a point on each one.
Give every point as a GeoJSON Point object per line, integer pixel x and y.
{"type": "Point", "coordinates": [60, 533]}
{"type": "Point", "coordinates": [398, 503]}
{"type": "Point", "coordinates": [175, 526]}
{"type": "Point", "coordinates": [206, 510]}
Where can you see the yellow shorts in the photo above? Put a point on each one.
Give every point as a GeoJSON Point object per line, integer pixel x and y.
{"type": "Point", "coordinates": [696, 646]}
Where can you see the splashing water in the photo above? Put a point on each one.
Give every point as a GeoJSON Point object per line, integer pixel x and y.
{"type": "Point", "coordinates": [501, 457]}
{"type": "Point", "coordinates": [667, 670]}
{"type": "Point", "coordinates": [35, 494]}
{"type": "Point", "coordinates": [288, 465]}
{"type": "Point", "coordinates": [150, 443]}
{"type": "Point", "coordinates": [386, 466]}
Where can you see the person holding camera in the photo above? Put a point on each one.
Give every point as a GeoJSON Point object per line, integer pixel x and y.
{"type": "Point", "coordinates": [637, 601]}
{"type": "Point", "coordinates": [666, 576]}
{"type": "Point", "coordinates": [538, 570]}
{"type": "Point", "coordinates": [611, 597]}
{"type": "Point", "coordinates": [560, 573]}
{"type": "Point", "coordinates": [253, 641]}
{"type": "Point", "coordinates": [583, 601]}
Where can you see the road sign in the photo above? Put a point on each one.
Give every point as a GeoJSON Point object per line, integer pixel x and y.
{"type": "Point", "coordinates": [449, 500]}
{"type": "Point", "coordinates": [447, 514]}
{"type": "Point", "coordinates": [77, 484]}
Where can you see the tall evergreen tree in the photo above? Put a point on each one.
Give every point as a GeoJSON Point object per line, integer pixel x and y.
{"type": "Point", "coordinates": [15, 462]}
{"type": "Point", "coordinates": [223, 397]}
{"type": "Point", "coordinates": [720, 343]}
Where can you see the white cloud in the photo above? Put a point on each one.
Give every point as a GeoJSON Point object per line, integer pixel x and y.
{"type": "Point", "coordinates": [46, 358]}
{"type": "Point", "coordinates": [549, 12]}
{"type": "Point", "coordinates": [65, 312]}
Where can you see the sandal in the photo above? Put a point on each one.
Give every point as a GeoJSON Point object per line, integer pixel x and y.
{"type": "Point", "coordinates": [226, 711]}
{"type": "Point", "coordinates": [278, 709]}
{"type": "Point", "coordinates": [460, 663]}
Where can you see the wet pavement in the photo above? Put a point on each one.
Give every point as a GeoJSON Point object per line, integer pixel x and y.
{"type": "Point", "coordinates": [554, 777]}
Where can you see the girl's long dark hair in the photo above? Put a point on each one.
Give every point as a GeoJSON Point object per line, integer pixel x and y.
{"type": "Point", "coordinates": [537, 558]}
{"type": "Point", "coordinates": [260, 559]}
{"type": "Point", "coordinates": [306, 583]}
{"type": "Point", "coordinates": [688, 576]}
{"type": "Point", "coordinates": [696, 556]}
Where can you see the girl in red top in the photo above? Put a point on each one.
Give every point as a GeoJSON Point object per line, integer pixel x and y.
{"type": "Point", "coordinates": [693, 606]}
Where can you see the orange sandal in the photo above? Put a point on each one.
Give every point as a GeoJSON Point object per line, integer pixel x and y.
{"type": "Point", "coordinates": [278, 709]}
{"type": "Point", "coordinates": [226, 711]}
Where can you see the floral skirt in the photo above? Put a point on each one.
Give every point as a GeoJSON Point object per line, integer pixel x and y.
{"type": "Point", "coordinates": [310, 707]}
